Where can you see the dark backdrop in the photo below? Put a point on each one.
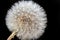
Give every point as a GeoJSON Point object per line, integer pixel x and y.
{"type": "Point", "coordinates": [52, 10]}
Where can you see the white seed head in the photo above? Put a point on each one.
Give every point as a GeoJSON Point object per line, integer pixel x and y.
{"type": "Point", "coordinates": [28, 17]}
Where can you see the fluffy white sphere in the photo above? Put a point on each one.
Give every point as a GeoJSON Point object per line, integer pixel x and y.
{"type": "Point", "coordinates": [28, 17]}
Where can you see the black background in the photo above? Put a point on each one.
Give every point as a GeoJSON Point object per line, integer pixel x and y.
{"type": "Point", "coordinates": [52, 10]}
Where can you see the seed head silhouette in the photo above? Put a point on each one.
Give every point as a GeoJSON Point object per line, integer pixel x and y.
{"type": "Point", "coordinates": [26, 19]}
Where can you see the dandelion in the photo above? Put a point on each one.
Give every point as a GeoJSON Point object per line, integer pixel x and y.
{"type": "Point", "coordinates": [26, 19]}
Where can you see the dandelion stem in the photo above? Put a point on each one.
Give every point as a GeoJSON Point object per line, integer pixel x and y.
{"type": "Point", "coordinates": [12, 35]}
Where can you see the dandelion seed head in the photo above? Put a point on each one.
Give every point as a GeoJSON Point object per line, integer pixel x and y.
{"type": "Point", "coordinates": [28, 17]}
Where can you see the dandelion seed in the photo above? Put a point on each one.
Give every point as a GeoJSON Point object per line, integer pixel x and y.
{"type": "Point", "coordinates": [26, 20]}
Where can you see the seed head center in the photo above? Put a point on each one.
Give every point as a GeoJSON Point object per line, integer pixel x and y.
{"type": "Point", "coordinates": [26, 20]}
